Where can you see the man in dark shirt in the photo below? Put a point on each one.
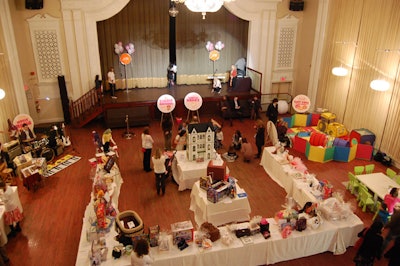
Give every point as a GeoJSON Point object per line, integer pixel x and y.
{"type": "Point", "coordinates": [272, 111]}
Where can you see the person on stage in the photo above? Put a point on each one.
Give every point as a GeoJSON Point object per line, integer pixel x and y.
{"type": "Point", "coordinates": [26, 137]}
{"type": "Point", "coordinates": [111, 81]}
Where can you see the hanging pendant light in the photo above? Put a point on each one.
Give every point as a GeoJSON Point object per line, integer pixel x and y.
{"type": "Point", "coordinates": [379, 85]}
{"type": "Point", "coordinates": [202, 6]}
{"type": "Point", "coordinates": [340, 71]}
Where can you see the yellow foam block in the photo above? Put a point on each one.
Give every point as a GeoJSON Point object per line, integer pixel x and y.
{"type": "Point", "coordinates": [319, 154]}
{"type": "Point", "coordinates": [300, 120]}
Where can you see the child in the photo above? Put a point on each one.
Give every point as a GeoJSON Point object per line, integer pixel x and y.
{"type": "Point", "coordinates": [219, 137]}
{"type": "Point", "coordinates": [383, 213]}
{"type": "Point", "coordinates": [141, 255]}
{"type": "Point", "coordinates": [237, 140]}
{"type": "Point", "coordinates": [12, 215]}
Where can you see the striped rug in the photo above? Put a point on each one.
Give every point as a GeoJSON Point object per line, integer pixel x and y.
{"type": "Point", "coordinates": [61, 164]}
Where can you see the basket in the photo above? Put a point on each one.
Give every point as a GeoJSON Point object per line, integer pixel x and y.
{"type": "Point", "coordinates": [126, 218]}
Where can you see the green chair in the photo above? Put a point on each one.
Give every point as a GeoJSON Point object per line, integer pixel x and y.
{"type": "Point", "coordinates": [353, 183]}
{"type": "Point", "coordinates": [366, 199]}
{"type": "Point", "coordinates": [361, 186]}
{"type": "Point", "coordinates": [369, 168]}
{"type": "Point", "coordinates": [359, 170]}
{"type": "Point", "coordinates": [390, 173]}
{"type": "Point", "coordinates": [397, 179]}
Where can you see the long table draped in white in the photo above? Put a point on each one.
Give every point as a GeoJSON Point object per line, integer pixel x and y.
{"type": "Point", "coordinates": [226, 211]}
{"type": "Point", "coordinates": [285, 176]}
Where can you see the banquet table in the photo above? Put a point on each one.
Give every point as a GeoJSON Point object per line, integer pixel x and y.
{"type": "Point", "coordinates": [379, 183]}
{"type": "Point", "coordinates": [333, 236]}
{"type": "Point", "coordinates": [4, 229]}
{"type": "Point", "coordinates": [186, 172]}
{"type": "Point", "coordinates": [288, 178]}
{"type": "Point", "coordinates": [225, 211]}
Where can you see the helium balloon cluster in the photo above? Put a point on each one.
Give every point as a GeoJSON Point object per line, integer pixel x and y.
{"type": "Point", "coordinates": [119, 48]}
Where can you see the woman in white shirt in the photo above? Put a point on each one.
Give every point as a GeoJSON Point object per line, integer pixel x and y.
{"type": "Point", "coordinates": [147, 145]}
{"type": "Point", "coordinates": [159, 170]}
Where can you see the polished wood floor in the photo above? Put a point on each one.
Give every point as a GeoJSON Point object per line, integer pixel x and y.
{"type": "Point", "coordinates": [53, 214]}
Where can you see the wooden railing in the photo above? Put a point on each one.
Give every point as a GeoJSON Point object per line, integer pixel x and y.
{"type": "Point", "coordinates": [86, 104]}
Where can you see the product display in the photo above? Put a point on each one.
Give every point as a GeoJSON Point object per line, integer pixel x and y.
{"type": "Point", "coordinates": [182, 230]}
{"type": "Point", "coordinates": [217, 170]}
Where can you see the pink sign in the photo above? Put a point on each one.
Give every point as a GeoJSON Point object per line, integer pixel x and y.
{"type": "Point", "coordinates": [301, 103]}
{"type": "Point", "coordinates": [21, 119]}
{"type": "Point", "coordinates": [193, 101]}
{"type": "Point", "coordinates": [166, 103]}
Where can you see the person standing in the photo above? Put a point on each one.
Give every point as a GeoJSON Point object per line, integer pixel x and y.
{"type": "Point", "coordinates": [255, 108]}
{"type": "Point", "coordinates": [272, 111]}
{"type": "Point", "coordinates": [371, 245]}
{"type": "Point", "coordinates": [260, 136]}
{"type": "Point", "coordinates": [166, 126]}
{"type": "Point", "coordinates": [226, 110]}
{"type": "Point", "coordinates": [237, 140]}
{"type": "Point", "coordinates": [147, 146]}
{"type": "Point", "coordinates": [106, 139]}
{"type": "Point", "coordinates": [171, 74]}
{"type": "Point", "coordinates": [111, 81]}
{"type": "Point", "coordinates": [233, 76]}
{"type": "Point", "coordinates": [141, 255]}
{"type": "Point", "coordinates": [238, 109]}
{"type": "Point", "coordinates": [159, 170]}
{"type": "Point", "coordinates": [12, 214]}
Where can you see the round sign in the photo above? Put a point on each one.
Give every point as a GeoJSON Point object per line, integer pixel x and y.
{"type": "Point", "coordinates": [166, 103]}
{"type": "Point", "coordinates": [193, 101]}
{"type": "Point", "coordinates": [21, 119]}
{"type": "Point", "coordinates": [214, 55]}
{"type": "Point", "coordinates": [125, 58]}
{"type": "Point", "coordinates": [301, 103]}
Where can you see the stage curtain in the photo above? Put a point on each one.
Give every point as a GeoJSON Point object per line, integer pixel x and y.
{"type": "Point", "coordinates": [192, 34]}
{"type": "Point", "coordinates": [145, 24]}
{"type": "Point", "coordinates": [358, 32]}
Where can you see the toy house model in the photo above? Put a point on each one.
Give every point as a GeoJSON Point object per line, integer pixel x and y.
{"type": "Point", "coordinates": [200, 141]}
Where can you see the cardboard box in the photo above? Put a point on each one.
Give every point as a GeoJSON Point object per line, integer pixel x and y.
{"type": "Point", "coordinates": [217, 170]}
{"type": "Point", "coordinates": [218, 191]}
{"type": "Point", "coordinates": [182, 230]}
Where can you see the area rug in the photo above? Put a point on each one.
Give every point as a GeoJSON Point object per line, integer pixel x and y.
{"type": "Point", "coordinates": [61, 164]}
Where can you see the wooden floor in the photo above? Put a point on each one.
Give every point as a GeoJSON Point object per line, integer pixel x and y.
{"type": "Point", "coordinates": [53, 214]}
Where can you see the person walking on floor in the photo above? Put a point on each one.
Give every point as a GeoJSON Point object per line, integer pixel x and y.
{"type": "Point", "coordinates": [147, 146]}
{"type": "Point", "coordinates": [12, 214]}
{"type": "Point", "coordinates": [159, 170]}
{"type": "Point", "coordinates": [260, 136]}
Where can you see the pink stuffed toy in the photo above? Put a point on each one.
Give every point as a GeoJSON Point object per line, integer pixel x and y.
{"type": "Point", "coordinates": [298, 165]}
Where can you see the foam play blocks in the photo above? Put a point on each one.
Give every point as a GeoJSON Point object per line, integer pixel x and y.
{"type": "Point", "coordinates": [300, 120]}
{"type": "Point", "coordinates": [364, 152]}
{"type": "Point", "coordinates": [363, 136]}
{"type": "Point", "coordinates": [318, 153]}
{"type": "Point", "coordinates": [345, 151]}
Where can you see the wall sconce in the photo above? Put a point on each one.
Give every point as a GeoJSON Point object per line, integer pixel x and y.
{"type": "Point", "coordinates": [2, 94]}
{"type": "Point", "coordinates": [340, 71]}
{"type": "Point", "coordinates": [379, 85]}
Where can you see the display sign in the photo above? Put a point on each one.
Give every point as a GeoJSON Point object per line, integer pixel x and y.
{"type": "Point", "coordinates": [214, 55]}
{"type": "Point", "coordinates": [301, 103]}
{"type": "Point", "coordinates": [193, 101]}
{"type": "Point", "coordinates": [21, 119]}
{"type": "Point", "coordinates": [166, 103]}
{"type": "Point", "coordinates": [125, 58]}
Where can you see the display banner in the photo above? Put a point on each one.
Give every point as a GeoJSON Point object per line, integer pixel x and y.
{"type": "Point", "coordinates": [193, 101]}
{"type": "Point", "coordinates": [166, 103]}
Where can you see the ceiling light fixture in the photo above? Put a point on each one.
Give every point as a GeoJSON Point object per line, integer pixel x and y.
{"type": "Point", "coordinates": [202, 6]}
{"type": "Point", "coordinates": [2, 94]}
{"type": "Point", "coordinates": [340, 71]}
{"type": "Point", "coordinates": [379, 85]}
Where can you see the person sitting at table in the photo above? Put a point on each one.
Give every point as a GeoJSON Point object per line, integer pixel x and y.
{"type": "Point", "coordinates": [383, 213]}
{"type": "Point", "coordinates": [391, 199]}
{"type": "Point", "coordinates": [26, 136]}
{"type": "Point", "coordinates": [12, 214]}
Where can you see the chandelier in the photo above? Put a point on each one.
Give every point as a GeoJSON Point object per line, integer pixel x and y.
{"type": "Point", "coordinates": [201, 6]}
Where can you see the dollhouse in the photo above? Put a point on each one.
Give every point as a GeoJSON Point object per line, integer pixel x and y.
{"type": "Point", "coordinates": [200, 141]}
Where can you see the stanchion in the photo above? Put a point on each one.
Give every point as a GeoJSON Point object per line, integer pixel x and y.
{"type": "Point", "coordinates": [127, 134]}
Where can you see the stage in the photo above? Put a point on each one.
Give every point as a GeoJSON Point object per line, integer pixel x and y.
{"type": "Point", "coordinates": [140, 104]}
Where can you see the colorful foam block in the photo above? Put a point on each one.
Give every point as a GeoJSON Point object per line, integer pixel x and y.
{"type": "Point", "coordinates": [299, 144]}
{"type": "Point", "coordinates": [288, 120]}
{"type": "Point", "coordinates": [319, 154]}
{"type": "Point", "coordinates": [364, 151]}
{"type": "Point", "coordinates": [345, 154]}
{"type": "Point", "coordinates": [363, 136]}
{"type": "Point", "coordinates": [300, 120]}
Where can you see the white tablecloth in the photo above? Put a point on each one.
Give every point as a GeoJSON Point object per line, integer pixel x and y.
{"type": "Point", "coordinates": [333, 236]}
{"type": "Point", "coordinates": [226, 211]}
{"type": "Point", "coordinates": [287, 177]}
{"type": "Point", "coordinates": [186, 172]}
{"type": "Point", "coordinates": [379, 183]}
